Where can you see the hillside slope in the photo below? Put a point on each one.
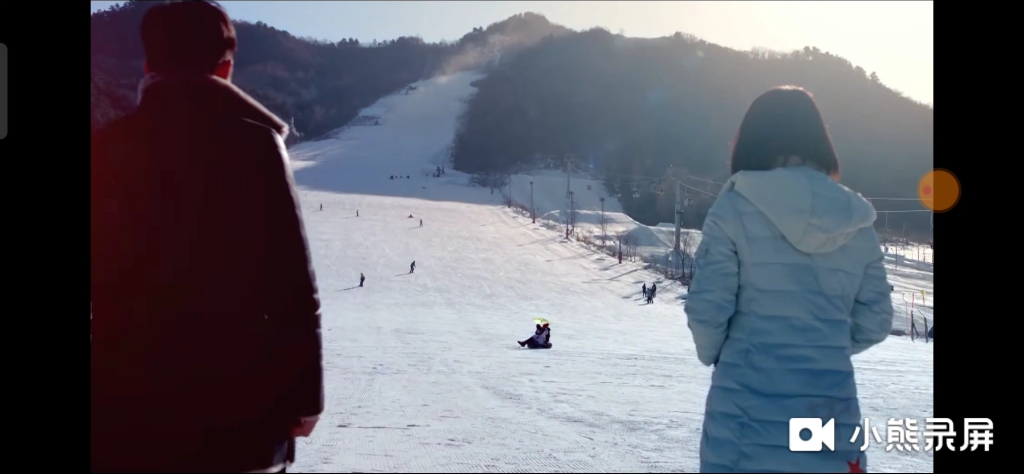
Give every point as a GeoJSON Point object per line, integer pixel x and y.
{"type": "Point", "coordinates": [636, 107]}
{"type": "Point", "coordinates": [320, 84]}
{"type": "Point", "coordinates": [422, 370]}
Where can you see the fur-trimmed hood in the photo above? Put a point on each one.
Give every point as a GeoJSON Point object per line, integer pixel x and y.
{"type": "Point", "coordinates": [229, 96]}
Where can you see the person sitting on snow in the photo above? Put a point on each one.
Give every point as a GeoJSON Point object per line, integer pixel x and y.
{"type": "Point", "coordinates": [536, 333]}
{"type": "Point", "coordinates": [540, 339]}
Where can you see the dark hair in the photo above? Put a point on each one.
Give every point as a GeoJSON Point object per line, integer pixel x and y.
{"type": "Point", "coordinates": [781, 124]}
{"type": "Point", "coordinates": [190, 36]}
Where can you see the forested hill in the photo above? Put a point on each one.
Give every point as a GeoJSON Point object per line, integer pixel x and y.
{"type": "Point", "coordinates": [637, 107]}
{"type": "Point", "coordinates": [629, 106]}
{"type": "Point", "coordinates": [321, 85]}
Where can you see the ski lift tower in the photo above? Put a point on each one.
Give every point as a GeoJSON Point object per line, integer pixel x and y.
{"type": "Point", "coordinates": [676, 248]}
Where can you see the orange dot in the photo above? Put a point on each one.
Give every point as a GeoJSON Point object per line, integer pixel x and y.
{"type": "Point", "coordinates": [939, 190]}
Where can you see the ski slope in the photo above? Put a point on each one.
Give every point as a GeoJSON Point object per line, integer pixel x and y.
{"type": "Point", "coordinates": [422, 370]}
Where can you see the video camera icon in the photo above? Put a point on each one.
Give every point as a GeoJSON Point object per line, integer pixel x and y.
{"type": "Point", "coordinates": [820, 434]}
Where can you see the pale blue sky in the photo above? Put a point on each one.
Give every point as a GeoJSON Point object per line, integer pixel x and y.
{"type": "Point", "coordinates": [894, 39]}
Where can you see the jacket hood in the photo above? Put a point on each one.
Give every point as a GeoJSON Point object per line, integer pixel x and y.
{"type": "Point", "coordinates": [813, 212]}
{"type": "Point", "coordinates": [227, 97]}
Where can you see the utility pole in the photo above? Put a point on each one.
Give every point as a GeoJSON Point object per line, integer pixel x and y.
{"type": "Point", "coordinates": [568, 195]}
{"type": "Point", "coordinates": [679, 215]}
{"type": "Point", "coordinates": [568, 174]}
{"type": "Point", "coordinates": [533, 210]}
{"type": "Point", "coordinates": [572, 213]}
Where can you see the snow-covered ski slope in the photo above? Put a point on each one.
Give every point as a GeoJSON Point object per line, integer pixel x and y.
{"type": "Point", "coordinates": [423, 373]}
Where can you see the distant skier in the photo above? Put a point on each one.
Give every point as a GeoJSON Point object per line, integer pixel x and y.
{"type": "Point", "coordinates": [652, 292]}
{"type": "Point", "coordinates": [410, 216]}
{"type": "Point", "coordinates": [321, 207]}
{"type": "Point", "coordinates": [362, 278]}
{"type": "Point", "coordinates": [357, 212]}
{"type": "Point", "coordinates": [412, 268]}
{"type": "Point", "coordinates": [541, 339]}
{"type": "Point", "coordinates": [644, 290]}
{"type": "Point", "coordinates": [421, 222]}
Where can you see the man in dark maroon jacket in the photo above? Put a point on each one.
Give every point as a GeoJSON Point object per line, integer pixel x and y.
{"type": "Point", "coordinates": [206, 349]}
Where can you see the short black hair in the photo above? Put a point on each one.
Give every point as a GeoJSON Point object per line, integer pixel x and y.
{"type": "Point", "coordinates": [780, 124]}
{"type": "Point", "coordinates": [187, 36]}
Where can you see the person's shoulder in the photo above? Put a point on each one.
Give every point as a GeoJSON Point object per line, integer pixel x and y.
{"type": "Point", "coordinates": [257, 138]}
{"type": "Point", "coordinates": [256, 131]}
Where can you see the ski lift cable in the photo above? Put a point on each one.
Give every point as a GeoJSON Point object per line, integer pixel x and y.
{"type": "Point", "coordinates": [636, 180]}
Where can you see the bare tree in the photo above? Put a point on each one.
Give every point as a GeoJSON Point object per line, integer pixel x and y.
{"type": "Point", "coordinates": [686, 263]}
{"type": "Point", "coordinates": [629, 242]}
{"type": "Point", "coordinates": [620, 238]}
{"type": "Point", "coordinates": [490, 179]}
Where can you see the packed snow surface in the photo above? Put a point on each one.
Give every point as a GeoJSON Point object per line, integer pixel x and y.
{"type": "Point", "coordinates": [423, 373]}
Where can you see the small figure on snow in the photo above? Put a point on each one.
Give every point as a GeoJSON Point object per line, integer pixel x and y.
{"type": "Point", "coordinates": [643, 289]}
{"type": "Point", "coordinates": [362, 278]}
{"type": "Point", "coordinates": [412, 268]}
{"type": "Point", "coordinates": [357, 212]}
{"type": "Point", "coordinates": [541, 339]}
{"type": "Point", "coordinates": [410, 216]}
{"type": "Point", "coordinates": [651, 292]}
{"type": "Point", "coordinates": [421, 222]}
{"type": "Point", "coordinates": [321, 206]}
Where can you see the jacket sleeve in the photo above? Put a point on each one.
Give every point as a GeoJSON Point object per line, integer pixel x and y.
{"type": "Point", "coordinates": [295, 302]}
{"type": "Point", "coordinates": [872, 308]}
{"type": "Point", "coordinates": [711, 301]}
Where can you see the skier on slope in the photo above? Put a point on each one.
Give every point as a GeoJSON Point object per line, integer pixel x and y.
{"type": "Point", "coordinates": [421, 222]}
{"type": "Point", "coordinates": [652, 292]}
{"type": "Point", "coordinates": [541, 339]}
{"type": "Point", "coordinates": [321, 207]}
{"type": "Point", "coordinates": [643, 289]}
{"type": "Point", "coordinates": [412, 268]}
{"type": "Point", "coordinates": [357, 212]}
{"type": "Point", "coordinates": [362, 278]}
